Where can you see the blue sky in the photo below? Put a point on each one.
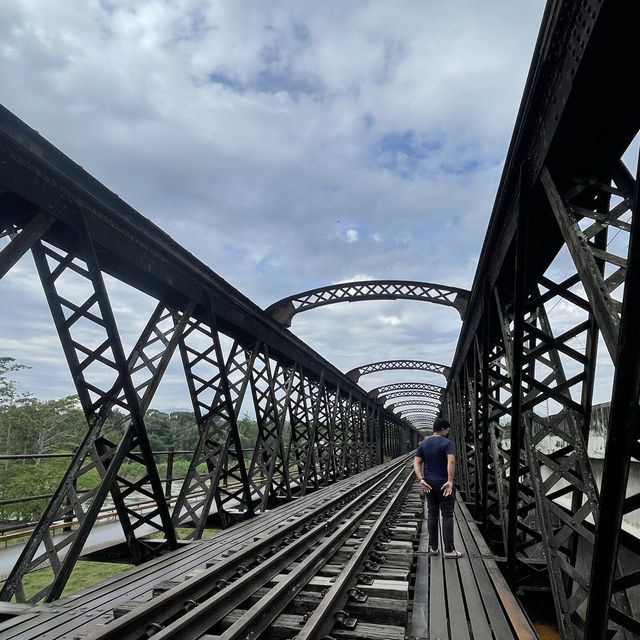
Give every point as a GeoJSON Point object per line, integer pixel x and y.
{"type": "Point", "coordinates": [288, 145]}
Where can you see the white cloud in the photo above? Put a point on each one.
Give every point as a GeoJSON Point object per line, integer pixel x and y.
{"type": "Point", "coordinates": [286, 145]}
{"type": "Point", "coordinates": [351, 235]}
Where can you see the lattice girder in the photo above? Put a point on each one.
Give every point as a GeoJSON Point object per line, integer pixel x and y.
{"type": "Point", "coordinates": [97, 451]}
{"type": "Point", "coordinates": [397, 365]}
{"type": "Point", "coordinates": [284, 310]}
{"type": "Point", "coordinates": [217, 390]}
{"type": "Point", "coordinates": [568, 214]}
{"type": "Point", "coordinates": [563, 527]}
{"type": "Point", "coordinates": [22, 238]}
{"type": "Point", "coordinates": [271, 386]}
{"type": "Point", "coordinates": [383, 392]}
{"type": "Point", "coordinates": [300, 424]}
{"type": "Point", "coordinates": [83, 215]}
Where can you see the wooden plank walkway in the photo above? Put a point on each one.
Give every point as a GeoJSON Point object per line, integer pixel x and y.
{"type": "Point", "coordinates": [468, 598]}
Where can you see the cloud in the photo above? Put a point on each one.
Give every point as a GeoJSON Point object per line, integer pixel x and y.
{"type": "Point", "coordinates": [286, 145]}
{"type": "Point", "coordinates": [351, 235]}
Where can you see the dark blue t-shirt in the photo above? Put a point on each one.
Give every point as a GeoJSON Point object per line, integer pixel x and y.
{"type": "Point", "coordinates": [434, 451]}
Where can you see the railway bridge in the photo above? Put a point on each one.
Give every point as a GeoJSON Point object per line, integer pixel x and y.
{"type": "Point", "coordinates": [322, 514]}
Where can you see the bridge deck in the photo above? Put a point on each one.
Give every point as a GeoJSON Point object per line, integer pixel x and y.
{"type": "Point", "coordinates": [465, 598]}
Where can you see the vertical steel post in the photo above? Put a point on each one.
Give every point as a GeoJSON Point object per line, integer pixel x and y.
{"type": "Point", "coordinates": [516, 374]}
{"type": "Point", "coordinates": [484, 476]}
{"type": "Point", "coordinates": [169, 476]}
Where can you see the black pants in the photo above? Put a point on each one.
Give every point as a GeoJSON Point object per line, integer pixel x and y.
{"type": "Point", "coordinates": [437, 504]}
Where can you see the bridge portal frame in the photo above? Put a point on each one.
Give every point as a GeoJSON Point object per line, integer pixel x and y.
{"type": "Point", "coordinates": [283, 310]}
{"type": "Point", "coordinates": [397, 365]}
{"type": "Point", "coordinates": [387, 391]}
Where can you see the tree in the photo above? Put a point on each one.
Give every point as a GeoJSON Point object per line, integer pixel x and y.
{"type": "Point", "coordinates": [9, 395]}
{"type": "Point", "coordinates": [36, 426]}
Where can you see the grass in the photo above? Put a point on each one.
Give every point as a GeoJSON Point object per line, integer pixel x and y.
{"type": "Point", "coordinates": [84, 574]}
{"type": "Point", "coordinates": [87, 573]}
{"type": "Point", "coordinates": [183, 532]}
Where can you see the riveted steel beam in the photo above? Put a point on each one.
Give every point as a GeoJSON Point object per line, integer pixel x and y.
{"type": "Point", "coordinates": [396, 365]}
{"type": "Point", "coordinates": [387, 389]}
{"type": "Point", "coordinates": [284, 310]}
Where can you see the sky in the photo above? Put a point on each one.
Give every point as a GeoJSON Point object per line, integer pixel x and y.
{"type": "Point", "coordinates": [288, 145]}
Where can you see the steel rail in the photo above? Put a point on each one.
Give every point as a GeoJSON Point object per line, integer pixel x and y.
{"type": "Point", "coordinates": [197, 621]}
{"type": "Point", "coordinates": [164, 608]}
{"type": "Point", "coordinates": [320, 622]}
{"type": "Point", "coordinates": [260, 616]}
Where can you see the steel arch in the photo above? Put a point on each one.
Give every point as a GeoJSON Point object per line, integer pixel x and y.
{"type": "Point", "coordinates": [396, 365]}
{"type": "Point", "coordinates": [419, 411]}
{"type": "Point", "coordinates": [283, 310]}
{"type": "Point", "coordinates": [412, 403]}
{"type": "Point", "coordinates": [416, 393]}
{"type": "Point", "coordinates": [387, 389]}
{"type": "Point", "coordinates": [421, 423]}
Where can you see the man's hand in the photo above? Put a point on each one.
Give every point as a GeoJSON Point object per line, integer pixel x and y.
{"type": "Point", "coordinates": [425, 486]}
{"type": "Point", "coordinates": [447, 488]}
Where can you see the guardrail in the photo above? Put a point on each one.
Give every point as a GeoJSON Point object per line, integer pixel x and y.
{"type": "Point", "coordinates": [12, 532]}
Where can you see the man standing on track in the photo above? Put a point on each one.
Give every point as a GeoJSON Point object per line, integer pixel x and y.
{"type": "Point", "coordinates": [435, 465]}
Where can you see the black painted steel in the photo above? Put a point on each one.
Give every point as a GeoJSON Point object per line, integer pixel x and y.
{"type": "Point", "coordinates": [522, 382]}
{"type": "Point", "coordinates": [521, 385]}
{"type": "Point", "coordinates": [624, 432]}
{"type": "Point", "coordinates": [284, 310]}
{"type": "Point", "coordinates": [395, 365]}
{"type": "Point", "coordinates": [385, 391]}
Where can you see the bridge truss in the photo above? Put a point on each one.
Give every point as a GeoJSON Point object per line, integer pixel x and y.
{"type": "Point", "coordinates": [315, 426]}
{"type": "Point", "coordinates": [554, 307]}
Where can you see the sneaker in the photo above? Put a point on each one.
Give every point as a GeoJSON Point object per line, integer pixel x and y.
{"type": "Point", "coordinates": [433, 552]}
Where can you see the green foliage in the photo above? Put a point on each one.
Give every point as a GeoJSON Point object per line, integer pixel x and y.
{"type": "Point", "coordinates": [19, 480]}
{"type": "Point", "coordinates": [177, 430]}
{"type": "Point", "coordinates": [8, 389]}
{"type": "Point", "coordinates": [248, 430]}
{"type": "Point", "coordinates": [32, 426]}
{"type": "Point", "coordinates": [36, 426]}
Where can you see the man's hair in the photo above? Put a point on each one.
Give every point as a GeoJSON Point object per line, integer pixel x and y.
{"type": "Point", "coordinates": [440, 424]}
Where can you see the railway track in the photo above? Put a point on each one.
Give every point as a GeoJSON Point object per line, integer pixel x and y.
{"type": "Point", "coordinates": [342, 569]}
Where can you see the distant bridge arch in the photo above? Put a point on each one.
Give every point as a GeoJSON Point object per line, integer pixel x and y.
{"type": "Point", "coordinates": [413, 403]}
{"type": "Point", "coordinates": [416, 393]}
{"type": "Point", "coordinates": [283, 310]}
{"type": "Point", "coordinates": [406, 387]}
{"type": "Point", "coordinates": [394, 365]}
{"type": "Point", "coordinates": [421, 424]}
{"type": "Point", "coordinates": [423, 419]}
{"type": "Point", "coordinates": [420, 411]}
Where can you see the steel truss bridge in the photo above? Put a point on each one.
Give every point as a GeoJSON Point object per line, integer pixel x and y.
{"type": "Point", "coordinates": [556, 292]}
